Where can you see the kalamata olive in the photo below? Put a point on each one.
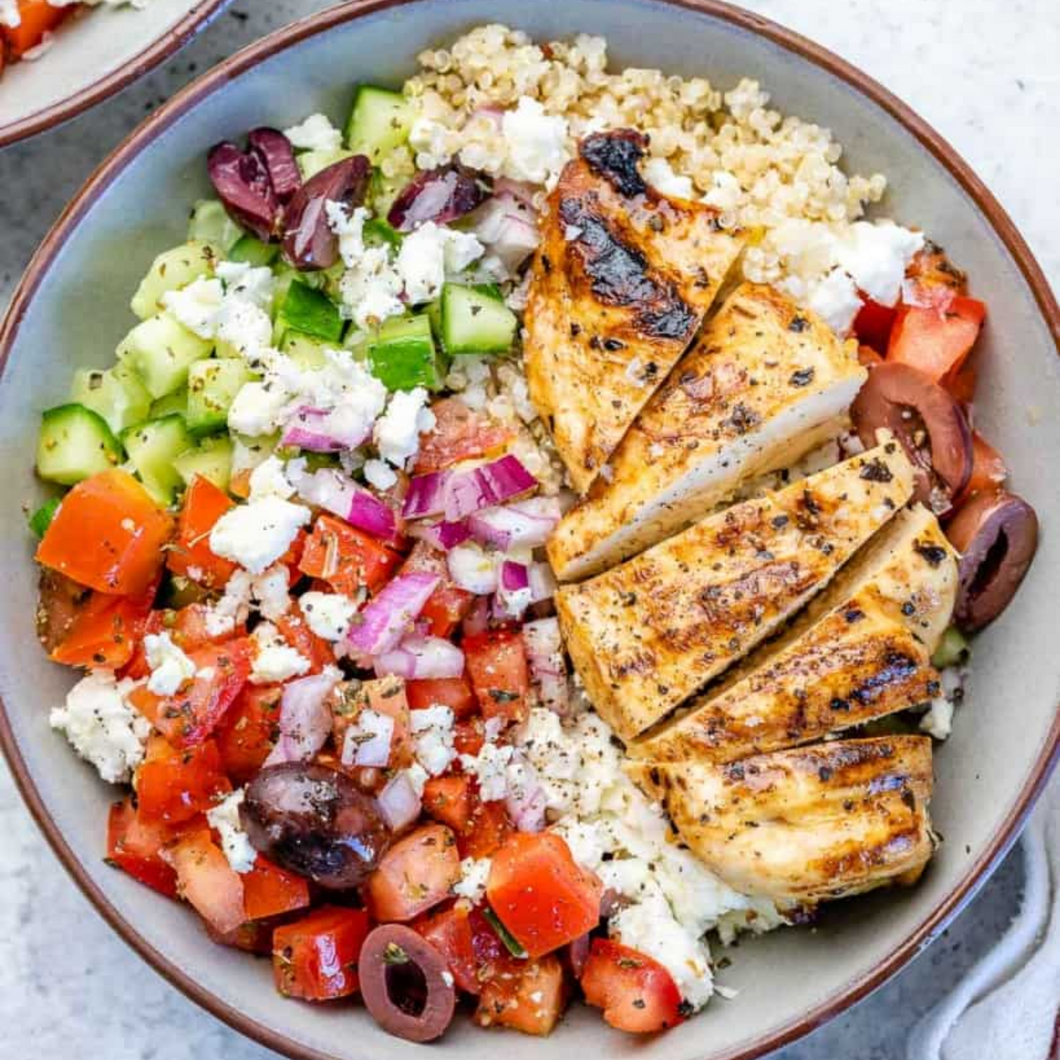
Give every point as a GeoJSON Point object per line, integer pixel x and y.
{"type": "Point", "coordinates": [578, 954]}
{"type": "Point", "coordinates": [406, 983]}
{"type": "Point", "coordinates": [996, 534]}
{"type": "Point", "coordinates": [928, 422]}
{"type": "Point", "coordinates": [242, 182]}
{"type": "Point", "coordinates": [440, 195]}
{"type": "Point", "coordinates": [277, 155]}
{"type": "Point", "coordinates": [313, 820]}
{"type": "Point", "coordinates": [309, 243]}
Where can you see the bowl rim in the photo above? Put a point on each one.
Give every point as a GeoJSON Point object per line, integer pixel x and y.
{"type": "Point", "coordinates": [160, 49]}
{"type": "Point", "coordinates": [279, 41]}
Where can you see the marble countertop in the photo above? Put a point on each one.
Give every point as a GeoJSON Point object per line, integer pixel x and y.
{"type": "Point", "coordinates": [983, 72]}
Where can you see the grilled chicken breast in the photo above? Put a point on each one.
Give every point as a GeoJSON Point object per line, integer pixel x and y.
{"type": "Point", "coordinates": [619, 286]}
{"type": "Point", "coordinates": [841, 666]}
{"type": "Point", "coordinates": [808, 824]}
{"type": "Point", "coordinates": [651, 632]}
{"type": "Point", "coordinates": [763, 384]}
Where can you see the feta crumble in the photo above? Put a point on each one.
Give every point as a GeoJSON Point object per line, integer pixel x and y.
{"type": "Point", "coordinates": [432, 738]}
{"type": "Point", "coordinates": [255, 535]}
{"type": "Point", "coordinates": [275, 661]}
{"type": "Point", "coordinates": [536, 142]}
{"type": "Point", "coordinates": [316, 133]}
{"type": "Point", "coordinates": [269, 590]}
{"type": "Point", "coordinates": [379, 474]}
{"type": "Point", "coordinates": [661, 176]}
{"type": "Point", "coordinates": [233, 608]}
{"type": "Point", "coordinates": [397, 432]}
{"type": "Point", "coordinates": [474, 874]}
{"type": "Point", "coordinates": [328, 615]}
{"type": "Point", "coordinates": [224, 818]}
{"type": "Point", "coordinates": [170, 667]}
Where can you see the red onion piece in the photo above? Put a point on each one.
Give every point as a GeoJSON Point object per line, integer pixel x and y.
{"type": "Point", "coordinates": [542, 583]}
{"type": "Point", "coordinates": [506, 225]}
{"type": "Point", "coordinates": [419, 658]}
{"type": "Point", "coordinates": [578, 954]}
{"type": "Point", "coordinates": [368, 742]}
{"type": "Point", "coordinates": [329, 489]}
{"type": "Point", "coordinates": [317, 431]}
{"type": "Point", "coordinates": [305, 719]}
{"type": "Point", "coordinates": [389, 616]}
{"type": "Point", "coordinates": [443, 535]}
{"type": "Point", "coordinates": [368, 513]}
{"type": "Point", "coordinates": [426, 495]}
{"type": "Point", "coordinates": [525, 523]}
{"type": "Point", "coordinates": [277, 155]}
{"type": "Point", "coordinates": [439, 195]}
{"type": "Point", "coordinates": [527, 801]}
{"type": "Point", "coordinates": [482, 487]}
{"type": "Point", "coordinates": [398, 803]}
{"type": "Point", "coordinates": [309, 243]}
{"type": "Point", "coordinates": [242, 183]}
{"type": "Point", "coordinates": [548, 667]}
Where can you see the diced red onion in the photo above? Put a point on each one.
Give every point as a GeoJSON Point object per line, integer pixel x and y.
{"type": "Point", "coordinates": [277, 155]}
{"type": "Point", "coordinates": [368, 513]}
{"type": "Point", "coordinates": [527, 801]}
{"type": "Point", "coordinates": [472, 569]}
{"type": "Point", "coordinates": [507, 226]}
{"type": "Point", "coordinates": [305, 718]}
{"type": "Point", "coordinates": [367, 743]}
{"type": "Point", "coordinates": [330, 489]}
{"type": "Point", "coordinates": [319, 431]}
{"type": "Point", "coordinates": [389, 616]}
{"type": "Point", "coordinates": [548, 667]}
{"type": "Point", "coordinates": [442, 535]}
{"type": "Point", "coordinates": [513, 589]}
{"type": "Point", "coordinates": [440, 195]}
{"type": "Point", "coordinates": [542, 582]}
{"type": "Point", "coordinates": [520, 190]}
{"type": "Point", "coordinates": [482, 487]}
{"type": "Point", "coordinates": [420, 658]}
{"type": "Point", "coordinates": [399, 804]}
{"type": "Point", "coordinates": [525, 523]}
{"type": "Point", "coordinates": [426, 495]}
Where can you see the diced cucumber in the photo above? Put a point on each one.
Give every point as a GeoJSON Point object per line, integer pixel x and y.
{"type": "Point", "coordinates": [304, 350]}
{"type": "Point", "coordinates": [152, 447]}
{"type": "Point", "coordinates": [172, 270]}
{"type": "Point", "coordinates": [307, 310]}
{"type": "Point", "coordinates": [172, 404]}
{"type": "Point", "coordinates": [75, 443]}
{"type": "Point", "coordinates": [382, 191]}
{"type": "Point", "coordinates": [952, 649]}
{"type": "Point", "coordinates": [117, 394]}
{"type": "Point", "coordinates": [312, 162]}
{"type": "Point", "coordinates": [210, 222]}
{"type": "Point", "coordinates": [379, 121]}
{"type": "Point", "coordinates": [42, 518]}
{"type": "Point", "coordinates": [403, 355]}
{"type": "Point", "coordinates": [377, 232]}
{"type": "Point", "coordinates": [212, 387]}
{"type": "Point", "coordinates": [161, 350]}
{"type": "Point", "coordinates": [252, 251]}
{"type": "Point", "coordinates": [475, 320]}
{"type": "Point", "coordinates": [211, 458]}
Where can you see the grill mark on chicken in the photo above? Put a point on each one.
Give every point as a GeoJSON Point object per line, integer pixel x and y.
{"type": "Point", "coordinates": [615, 157]}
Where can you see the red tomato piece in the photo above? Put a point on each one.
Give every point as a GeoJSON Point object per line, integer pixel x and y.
{"type": "Point", "coordinates": [107, 534]}
{"type": "Point", "coordinates": [37, 17]}
{"type": "Point", "coordinates": [469, 735]}
{"type": "Point", "coordinates": [135, 846]}
{"type": "Point", "coordinates": [207, 881]}
{"type": "Point", "coordinates": [450, 800]}
{"type": "Point", "coordinates": [190, 632]}
{"type": "Point", "coordinates": [107, 630]}
{"type": "Point", "coordinates": [190, 715]}
{"type": "Point", "coordinates": [458, 434]}
{"type": "Point", "coordinates": [175, 786]}
{"type": "Point", "coordinates": [487, 830]}
{"type": "Point", "coordinates": [872, 325]}
{"type": "Point", "coordinates": [191, 555]}
{"type": "Point", "coordinates": [347, 558]}
{"type": "Point", "coordinates": [988, 466]}
{"type": "Point", "coordinates": [541, 895]}
{"type": "Point", "coordinates": [414, 875]}
{"type": "Point", "coordinates": [254, 936]}
{"type": "Point", "coordinates": [384, 695]}
{"type": "Point", "coordinates": [936, 340]}
{"type": "Point", "coordinates": [455, 693]}
{"type": "Point", "coordinates": [496, 663]}
{"type": "Point", "coordinates": [296, 632]}
{"type": "Point", "coordinates": [448, 604]}
{"type": "Point", "coordinates": [449, 931]}
{"type": "Point", "coordinates": [269, 890]}
{"type": "Point", "coordinates": [315, 958]}
{"type": "Point", "coordinates": [636, 993]}
{"type": "Point", "coordinates": [528, 996]}
{"type": "Point", "coordinates": [249, 730]}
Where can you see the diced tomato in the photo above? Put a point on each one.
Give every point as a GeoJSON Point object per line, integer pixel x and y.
{"type": "Point", "coordinates": [500, 676]}
{"type": "Point", "coordinates": [541, 895]}
{"type": "Point", "coordinates": [384, 695]}
{"type": "Point", "coordinates": [988, 467]}
{"type": "Point", "coordinates": [458, 434]}
{"type": "Point", "coordinates": [269, 890]}
{"type": "Point", "coordinates": [191, 555]}
{"type": "Point", "coordinates": [450, 800]}
{"type": "Point", "coordinates": [414, 875]}
{"type": "Point", "coordinates": [487, 830]}
{"type": "Point", "coordinates": [190, 715]}
{"type": "Point", "coordinates": [174, 786]}
{"type": "Point", "coordinates": [935, 340]}
{"type": "Point", "coordinates": [962, 383]}
{"type": "Point", "coordinates": [347, 558]}
{"type": "Point", "coordinates": [636, 993]}
{"type": "Point", "coordinates": [107, 630]}
{"type": "Point", "coordinates": [529, 996]}
{"type": "Point", "coordinates": [239, 483]}
{"type": "Point", "coordinates": [36, 17]}
{"type": "Point", "coordinates": [447, 605]}
{"type": "Point", "coordinates": [868, 357]}
{"type": "Point", "coordinates": [455, 693]}
{"type": "Point", "coordinates": [107, 534]}
{"type": "Point", "coordinates": [469, 735]}
{"type": "Point", "coordinates": [135, 845]}
{"type": "Point", "coordinates": [315, 958]}
{"type": "Point", "coordinates": [207, 881]}
{"type": "Point", "coordinates": [449, 931]}
{"type": "Point", "coordinates": [190, 630]}
{"type": "Point", "coordinates": [249, 730]}
{"type": "Point", "coordinates": [294, 629]}
{"type": "Point", "coordinates": [254, 936]}
{"type": "Point", "coordinates": [872, 325]}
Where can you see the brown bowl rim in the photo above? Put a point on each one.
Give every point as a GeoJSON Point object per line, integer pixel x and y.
{"type": "Point", "coordinates": [320, 22]}
{"type": "Point", "coordinates": [197, 19]}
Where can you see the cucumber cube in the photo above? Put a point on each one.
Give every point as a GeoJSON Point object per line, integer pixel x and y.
{"type": "Point", "coordinates": [161, 350]}
{"type": "Point", "coordinates": [75, 443]}
{"type": "Point", "coordinates": [175, 403]}
{"type": "Point", "coordinates": [210, 222]}
{"type": "Point", "coordinates": [379, 121]}
{"type": "Point", "coordinates": [377, 232]}
{"type": "Point", "coordinates": [212, 387]}
{"type": "Point", "coordinates": [253, 252]}
{"type": "Point", "coordinates": [304, 350]}
{"type": "Point", "coordinates": [152, 447]}
{"type": "Point", "coordinates": [42, 518]}
{"type": "Point", "coordinates": [402, 354]}
{"type": "Point", "coordinates": [310, 163]}
{"type": "Point", "coordinates": [172, 270]}
{"type": "Point", "coordinates": [307, 310]}
{"type": "Point", "coordinates": [211, 458]}
{"type": "Point", "coordinates": [476, 320]}
{"type": "Point", "coordinates": [117, 394]}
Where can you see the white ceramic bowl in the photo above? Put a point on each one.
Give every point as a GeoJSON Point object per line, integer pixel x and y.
{"type": "Point", "coordinates": [71, 310]}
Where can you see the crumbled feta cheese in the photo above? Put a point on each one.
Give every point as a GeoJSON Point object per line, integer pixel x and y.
{"type": "Point", "coordinates": [490, 769]}
{"type": "Point", "coordinates": [233, 608]}
{"type": "Point", "coordinates": [379, 474]}
{"type": "Point", "coordinates": [9, 14]}
{"type": "Point", "coordinates": [328, 615]}
{"type": "Point", "coordinates": [224, 818]}
{"type": "Point", "coordinates": [370, 726]}
{"type": "Point", "coordinates": [316, 133]}
{"type": "Point", "coordinates": [245, 327]}
{"type": "Point", "coordinates": [397, 432]}
{"type": "Point", "coordinates": [255, 285]}
{"type": "Point", "coordinates": [938, 721]}
{"type": "Point", "coordinates": [418, 777]}
{"type": "Point", "coordinates": [255, 535]}
{"type": "Point", "coordinates": [429, 254]}
{"type": "Point", "coordinates": [257, 409]}
{"type": "Point", "coordinates": [170, 667]}
{"type": "Point", "coordinates": [102, 727]}
{"type": "Point", "coordinates": [725, 191]}
{"type": "Point", "coordinates": [876, 256]}
{"type": "Point", "coordinates": [661, 176]}
{"type": "Point", "coordinates": [536, 142]}
{"type": "Point", "coordinates": [835, 298]}
{"type": "Point", "coordinates": [270, 590]}
{"type": "Point", "coordinates": [432, 738]}
{"type": "Point", "coordinates": [268, 480]}
{"type": "Point", "coordinates": [474, 874]}
{"type": "Point", "coordinates": [197, 305]}
{"type": "Point", "coordinates": [275, 661]}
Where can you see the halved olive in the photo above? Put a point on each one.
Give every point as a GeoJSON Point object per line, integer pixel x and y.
{"type": "Point", "coordinates": [309, 243]}
{"type": "Point", "coordinates": [929, 424]}
{"type": "Point", "coordinates": [996, 534]}
{"type": "Point", "coordinates": [406, 983]}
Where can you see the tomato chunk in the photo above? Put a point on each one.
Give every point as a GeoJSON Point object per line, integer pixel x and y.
{"type": "Point", "coordinates": [190, 715]}
{"type": "Point", "coordinates": [107, 534]}
{"type": "Point", "coordinates": [347, 558]}
{"type": "Point", "coordinates": [528, 996]}
{"type": "Point", "coordinates": [315, 958]}
{"type": "Point", "coordinates": [106, 631]}
{"type": "Point", "coordinates": [636, 993]}
{"type": "Point", "coordinates": [190, 631]}
{"type": "Point", "coordinates": [386, 696]}
{"type": "Point", "coordinates": [448, 604]}
{"type": "Point", "coordinates": [469, 735]}
{"type": "Point", "coordinates": [455, 693]}
{"type": "Point", "coordinates": [872, 325]}
{"type": "Point", "coordinates": [988, 466]}
{"type": "Point", "coordinates": [296, 632]}
{"type": "Point", "coordinates": [458, 434]}
{"type": "Point", "coordinates": [450, 800]}
{"type": "Point", "coordinates": [191, 555]}
{"type": "Point", "coordinates": [135, 846]}
{"type": "Point", "coordinates": [248, 730]}
{"type": "Point", "coordinates": [175, 786]}
{"type": "Point", "coordinates": [500, 676]}
{"type": "Point", "coordinates": [269, 890]}
{"type": "Point", "coordinates": [541, 895]}
{"type": "Point", "coordinates": [486, 831]}
{"type": "Point", "coordinates": [207, 881]}
{"type": "Point", "coordinates": [416, 873]}
{"type": "Point", "coordinates": [936, 339]}
{"type": "Point", "coordinates": [37, 17]}
{"type": "Point", "coordinates": [449, 931]}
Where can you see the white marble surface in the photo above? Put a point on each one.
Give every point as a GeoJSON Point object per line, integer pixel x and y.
{"type": "Point", "coordinates": [984, 72]}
